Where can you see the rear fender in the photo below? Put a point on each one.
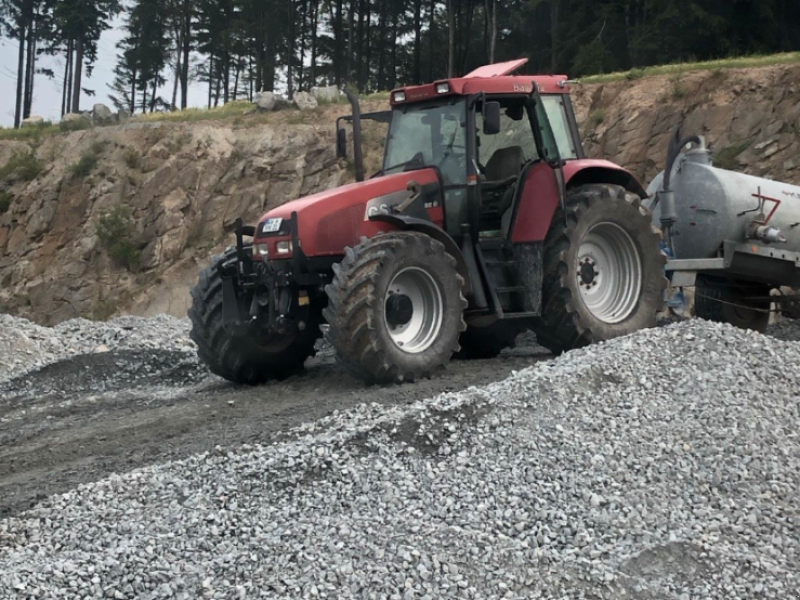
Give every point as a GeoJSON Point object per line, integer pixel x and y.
{"type": "Point", "coordinates": [584, 172]}
{"type": "Point", "coordinates": [405, 223]}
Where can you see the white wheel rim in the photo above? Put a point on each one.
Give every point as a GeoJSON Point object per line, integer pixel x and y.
{"type": "Point", "coordinates": [609, 273]}
{"type": "Point", "coordinates": [425, 323]}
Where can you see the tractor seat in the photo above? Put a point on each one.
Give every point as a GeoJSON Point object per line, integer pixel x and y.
{"type": "Point", "coordinates": [503, 167]}
{"type": "Point", "coordinates": [497, 192]}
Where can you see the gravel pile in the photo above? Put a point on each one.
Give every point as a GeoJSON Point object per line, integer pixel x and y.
{"type": "Point", "coordinates": [663, 465]}
{"type": "Point", "coordinates": [25, 346]}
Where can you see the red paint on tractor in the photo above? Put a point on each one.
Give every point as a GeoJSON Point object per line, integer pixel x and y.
{"type": "Point", "coordinates": [334, 219]}
{"type": "Point", "coordinates": [537, 205]}
{"type": "Point", "coordinates": [550, 84]}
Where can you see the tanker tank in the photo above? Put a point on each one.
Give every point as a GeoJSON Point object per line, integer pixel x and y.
{"type": "Point", "coordinates": [733, 237]}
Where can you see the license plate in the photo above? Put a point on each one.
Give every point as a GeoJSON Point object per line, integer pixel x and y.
{"type": "Point", "coordinates": [271, 225]}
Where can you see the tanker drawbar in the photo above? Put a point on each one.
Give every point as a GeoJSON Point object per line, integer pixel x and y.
{"type": "Point", "coordinates": [733, 237]}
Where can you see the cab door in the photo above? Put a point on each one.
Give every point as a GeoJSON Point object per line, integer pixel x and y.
{"type": "Point", "coordinates": [541, 188]}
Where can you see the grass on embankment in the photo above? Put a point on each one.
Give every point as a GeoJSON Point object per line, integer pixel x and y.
{"type": "Point", "coordinates": [788, 58]}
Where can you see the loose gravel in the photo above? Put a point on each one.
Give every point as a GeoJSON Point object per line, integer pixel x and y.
{"type": "Point", "coordinates": [662, 465]}
{"type": "Point", "coordinates": [25, 346]}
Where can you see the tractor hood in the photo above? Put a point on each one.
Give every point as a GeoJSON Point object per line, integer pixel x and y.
{"type": "Point", "coordinates": [329, 221]}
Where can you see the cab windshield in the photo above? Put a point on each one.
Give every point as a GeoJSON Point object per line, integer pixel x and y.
{"type": "Point", "coordinates": [429, 135]}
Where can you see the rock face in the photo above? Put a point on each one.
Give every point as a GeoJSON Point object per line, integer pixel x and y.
{"type": "Point", "coordinates": [32, 121]}
{"type": "Point", "coordinates": [326, 94]}
{"type": "Point", "coordinates": [269, 101]}
{"type": "Point", "coordinates": [750, 117]}
{"type": "Point", "coordinates": [185, 184]}
{"type": "Point", "coordinates": [102, 114]}
{"type": "Point", "coordinates": [304, 101]}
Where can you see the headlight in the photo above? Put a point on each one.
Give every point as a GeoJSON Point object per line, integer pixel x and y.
{"type": "Point", "coordinates": [399, 96]}
{"type": "Point", "coordinates": [263, 250]}
{"type": "Point", "coordinates": [284, 247]}
{"type": "Point", "coordinates": [442, 88]}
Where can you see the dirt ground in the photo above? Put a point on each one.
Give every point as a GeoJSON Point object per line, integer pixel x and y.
{"type": "Point", "coordinates": [82, 419]}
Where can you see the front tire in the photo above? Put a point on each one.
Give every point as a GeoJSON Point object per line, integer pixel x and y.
{"type": "Point", "coordinates": [603, 270]}
{"type": "Point", "coordinates": [248, 359]}
{"type": "Point", "coordinates": [395, 308]}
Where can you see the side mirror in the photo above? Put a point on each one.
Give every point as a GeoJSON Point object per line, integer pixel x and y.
{"type": "Point", "coordinates": [341, 143]}
{"type": "Point", "coordinates": [491, 118]}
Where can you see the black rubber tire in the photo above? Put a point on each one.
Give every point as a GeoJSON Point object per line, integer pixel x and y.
{"type": "Point", "coordinates": [479, 343]}
{"type": "Point", "coordinates": [356, 308]}
{"type": "Point", "coordinates": [242, 358]}
{"type": "Point", "coordinates": [723, 301]}
{"type": "Point", "coordinates": [566, 323]}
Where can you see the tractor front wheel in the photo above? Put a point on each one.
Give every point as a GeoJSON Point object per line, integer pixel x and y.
{"type": "Point", "coordinates": [395, 308]}
{"type": "Point", "coordinates": [252, 358]}
{"type": "Point", "coordinates": [603, 269]}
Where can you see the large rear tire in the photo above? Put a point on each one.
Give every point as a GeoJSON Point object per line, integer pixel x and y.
{"type": "Point", "coordinates": [249, 359]}
{"type": "Point", "coordinates": [488, 342]}
{"type": "Point", "coordinates": [603, 270]}
{"type": "Point", "coordinates": [724, 301]}
{"type": "Point", "coordinates": [395, 308]}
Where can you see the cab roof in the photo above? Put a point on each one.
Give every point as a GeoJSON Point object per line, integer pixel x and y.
{"type": "Point", "coordinates": [489, 79]}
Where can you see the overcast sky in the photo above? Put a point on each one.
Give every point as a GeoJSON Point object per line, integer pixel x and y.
{"type": "Point", "coordinates": [47, 92]}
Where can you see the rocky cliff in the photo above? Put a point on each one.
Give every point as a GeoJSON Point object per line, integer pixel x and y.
{"type": "Point", "coordinates": [750, 117]}
{"type": "Point", "coordinates": [186, 183]}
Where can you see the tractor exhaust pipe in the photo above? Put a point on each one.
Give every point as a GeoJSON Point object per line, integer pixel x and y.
{"type": "Point", "coordinates": [358, 156]}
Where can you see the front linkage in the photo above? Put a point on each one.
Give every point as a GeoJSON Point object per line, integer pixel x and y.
{"type": "Point", "coordinates": [270, 297]}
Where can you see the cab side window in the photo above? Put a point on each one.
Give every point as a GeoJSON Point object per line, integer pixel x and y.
{"type": "Point", "coordinates": [515, 133]}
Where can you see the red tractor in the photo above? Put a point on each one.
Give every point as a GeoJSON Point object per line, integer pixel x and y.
{"type": "Point", "coordinates": [485, 220]}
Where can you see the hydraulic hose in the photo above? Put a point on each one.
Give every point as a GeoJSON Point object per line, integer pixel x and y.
{"type": "Point", "coordinates": [675, 152]}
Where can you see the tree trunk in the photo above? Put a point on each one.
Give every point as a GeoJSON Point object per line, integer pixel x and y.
{"type": "Point", "coordinates": [187, 44]}
{"type": "Point", "coordinates": [554, 26]}
{"type": "Point", "coordinates": [351, 18]}
{"type": "Point", "coordinates": [133, 91]}
{"type": "Point", "coordinates": [491, 27]}
{"type": "Point", "coordinates": [301, 66]}
{"type": "Point", "coordinates": [368, 50]}
{"type": "Point", "coordinates": [78, 74]}
{"type": "Point", "coordinates": [66, 75]}
{"type": "Point", "coordinates": [431, 25]}
{"type": "Point", "coordinates": [20, 76]}
{"type": "Point", "coordinates": [178, 71]}
{"type": "Point", "coordinates": [451, 39]}
{"type": "Point", "coordinates": [210, 80]}
{"type": "Point", "coordinates": [314, 26]}
{"type": "Point", "coordinates": [30, 69]}
{"type": "Point", "coordinates": [338, 34]}
{"type": "Point", "coordinates": [382, 46]}
{"type": "Point", "coordinates": [290, 52]}
{"type": "Point", "coordinates": [70, 69]}
{"type": "Point", "coordinates": [417, 41]}
{"type": "Point", "coordinates": [154, 94]}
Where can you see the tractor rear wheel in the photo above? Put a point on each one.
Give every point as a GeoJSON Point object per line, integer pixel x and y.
{"type": "Point", "coordinates": [251, 359]}
{"type": "Point", "coordinates": [603, 269]}
{"type": "Point", "coordinates": [725, 301]}
{"type": "Point", "coordinates": [490, 341]}
{"type": "Point", "coordinates": [395, 308]}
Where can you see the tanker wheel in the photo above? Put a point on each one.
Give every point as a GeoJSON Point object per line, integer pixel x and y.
{"type": "Point", "coordinates": [725, 301]}
{"type": "Point", "coordinates": [603, 269]}
{"type": "Point", "coordinates": [395, 308]}
{"type": "Point", "coordinates": [489, 341]}
{"type": "Point", "coordinates": [250, 359]}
